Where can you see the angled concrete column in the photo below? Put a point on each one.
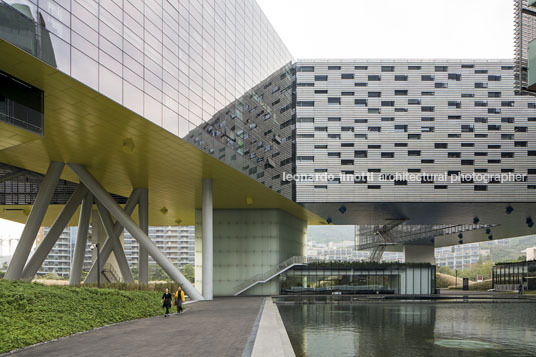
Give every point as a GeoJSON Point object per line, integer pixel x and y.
{"type": "Point", "coordinates": [208, 247]}
{"type": "Point", "coordinates": [39, 209]}
{"type": "Point", "coordinates": [117, 247]}
{"type": "Point", "coordinates": [136, 232]}
{"type": "Point", "coordinates": [143, 220]}
{"type": "Point", "coordinates": [108, 244]}
{"type": "Point", "coordinates": [53, 234]}
{"type": "Point", "coordinates": [81, 240]}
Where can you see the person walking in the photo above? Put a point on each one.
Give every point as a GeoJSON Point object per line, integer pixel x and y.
{"type": "Point", "coordinates": [520, 288]}
{"type": "Point", "coordinates": [166, 301]}
{"type": "Point", "coordinates": [179, 300]}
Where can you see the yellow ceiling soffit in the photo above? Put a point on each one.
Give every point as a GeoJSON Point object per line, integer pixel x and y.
{"type": "Point", "coordinates": [123, 150]}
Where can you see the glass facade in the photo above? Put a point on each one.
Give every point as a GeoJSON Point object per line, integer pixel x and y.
{"type": "Point", "coordinates": [508, 276]}
{"type": "Point", "coordinates": [326, 278]}
{"type": "Point", "coordinates": [177, 63]}
{"type": "Point", "coordinates": [255, 133]}
{"type": "Point", "coordinates": [21, 104]}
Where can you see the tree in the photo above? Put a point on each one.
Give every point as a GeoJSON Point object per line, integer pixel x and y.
{"type": "Point", "coordinates": [157, 273]}
{"type": "Point", "coordinates": [473, 270]}
{"type": "Point", "coordinates": [446, 270]}
{"type": "Point", "coordinates": [189, 272]}
{"type": "Point", "coordinates": [4, 266]}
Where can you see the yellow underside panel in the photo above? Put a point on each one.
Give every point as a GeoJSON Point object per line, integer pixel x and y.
{"type": "Point", "coordinates": [85, 127]}
{"type": "Point", "coordinates": [12, 136]}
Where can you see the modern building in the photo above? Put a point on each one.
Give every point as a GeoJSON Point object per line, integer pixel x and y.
{"type": "Point", "coordinates": [60, 257]}
{"type": "Point", "coordinates": [358, 278]}
{"type": "Point", "coordinates": [508, 276]}
{"type": "Point", "coordinates": [525, 46]}
{"type": "Point", "coordinates": [458, 257]}
{"type": "Point", "coordinates": [530, 253]}
{"type": "Point", "coordinates": [414, 150]}
{"type": "Point", "coordinates": [345, 252]}
{"type": "Point", "coordinates": [193, 112]}
{"type": "Point", "coordinates": [203, 71]}
{"type": "Point", "coordinates": [176, 242]}
{"type": "Point", "coordinates": [58, 260]}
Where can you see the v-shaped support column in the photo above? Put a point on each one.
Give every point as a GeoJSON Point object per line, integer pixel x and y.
{"type": "Point", "coordinates": [143, 240]}
{"type": "Point", "coordinates": [39, 209]}
{"type": "Point", "coordinates": [53, 234]}
{"type": "Point", "coordinates": [108, 245]}
{"type": "Point", "coordinates": [117, 247]}
{"type": "Point", "coordinates": [81, 240]}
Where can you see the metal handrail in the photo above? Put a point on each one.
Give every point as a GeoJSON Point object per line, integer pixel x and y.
{"type": "Point", "coordinates": [270, 274]}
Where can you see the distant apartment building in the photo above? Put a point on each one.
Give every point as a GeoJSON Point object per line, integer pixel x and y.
{"type": "Point", "coordinates": [458, 256]}
{"type": "Point", "coordinates": [59, 259]}
{"type": "Point", "coordinates": [176, 242]}
{"type": "Point", "coordinates": [345, 251]}
{"type": "Point", "coordinates": [461, 256]}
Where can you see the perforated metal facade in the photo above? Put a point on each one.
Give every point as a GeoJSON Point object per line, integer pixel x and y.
{"type": "Point", "coordinates": [437, 117]}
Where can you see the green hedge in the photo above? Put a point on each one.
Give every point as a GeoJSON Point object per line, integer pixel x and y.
{"type": "Point", "coordinates": [32, 313]}
{"type": "Point", "coordinates": [481, 285]}
{"type": "Point", "coordinates": [359, 264]}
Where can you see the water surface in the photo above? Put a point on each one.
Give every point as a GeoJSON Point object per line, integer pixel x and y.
{"type": "Point", "coordinates": [412, 329]}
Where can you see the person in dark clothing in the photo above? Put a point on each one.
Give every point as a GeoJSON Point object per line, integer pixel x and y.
{"type": "Point", "coordinates": [166, 301]}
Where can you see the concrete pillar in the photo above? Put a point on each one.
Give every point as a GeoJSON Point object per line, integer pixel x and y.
{"type": "Point", "coordinates": [136, 232]}
{"type": "Point", "coordinates": [143, 220]}
{"type": "Point", "coordinates": [107, 248]}
{"type": "Point", "coordinates": [419, 254]}
{"type": "Point", "coordinates": [81, 240]}
{"type": "Point", "coordinates": [53, 234]}
{"type": "Point", "coordinates": [39, 209]}
{"type": "Point", "coordinates": [208, 244]}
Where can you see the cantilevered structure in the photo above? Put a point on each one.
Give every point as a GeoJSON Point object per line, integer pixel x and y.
{"type": "Point", "coordinates": [124, 114]}
{"type": "Point", "coordinates": [118, 98]}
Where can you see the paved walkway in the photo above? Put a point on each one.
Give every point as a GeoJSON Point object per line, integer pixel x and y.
{"type": "Point", "coordinates": [216, 328]}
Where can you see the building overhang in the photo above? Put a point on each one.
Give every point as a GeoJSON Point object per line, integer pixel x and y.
{"type": "Point", "coordinates": [122, 150]}
{"type": "Point", "coordinates": [494, 214]}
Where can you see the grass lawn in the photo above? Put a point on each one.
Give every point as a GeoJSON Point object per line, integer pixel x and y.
{"type": "Point", "coordinates": [32, 313]}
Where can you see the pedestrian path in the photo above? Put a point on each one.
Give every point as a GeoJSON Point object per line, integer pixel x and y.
{"type": "Point", "coordinates": [213, 328]}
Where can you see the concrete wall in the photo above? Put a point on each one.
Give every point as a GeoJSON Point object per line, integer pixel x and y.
{"type": "Point", "coordinates": [247, 243]}
{"type": "Point", "coordinates": [419, 254]}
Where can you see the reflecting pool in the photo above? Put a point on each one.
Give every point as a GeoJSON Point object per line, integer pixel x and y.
{"type": "Point", "coordinates": [411, 329]}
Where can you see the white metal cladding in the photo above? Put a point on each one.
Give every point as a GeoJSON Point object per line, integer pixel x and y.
{"type": "Point", "coordinates": [515, 138]}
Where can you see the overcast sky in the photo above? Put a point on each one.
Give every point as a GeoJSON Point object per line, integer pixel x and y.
{"type": "Point", "coordinates": [394, 28]}
{"type": "Point", "coordinates": [8, 228]}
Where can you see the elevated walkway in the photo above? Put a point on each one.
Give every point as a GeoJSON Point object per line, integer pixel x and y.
{"type": "Point", "coordinates": [270, 274]}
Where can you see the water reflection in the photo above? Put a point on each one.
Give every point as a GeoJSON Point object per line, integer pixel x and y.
{"type": "Point", "coordinates": [416, 329]}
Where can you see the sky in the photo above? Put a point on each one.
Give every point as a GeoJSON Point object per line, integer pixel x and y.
{"type": "Point", "coordinates": [10, 229]}
{"type": "Point", "coordinates": [394, 28]}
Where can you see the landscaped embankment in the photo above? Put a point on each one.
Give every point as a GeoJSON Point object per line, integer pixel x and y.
{"type": "Point", "coordinates": [32, 313]}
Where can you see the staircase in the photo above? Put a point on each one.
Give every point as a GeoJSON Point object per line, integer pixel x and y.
{"type": "Point", "coordinates": [110, 274]}
{"type": "Point", "coordinates": [270, 274]}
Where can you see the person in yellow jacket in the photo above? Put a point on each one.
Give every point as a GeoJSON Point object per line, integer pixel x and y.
{"type": "Point", "coordinates": [179, 300]}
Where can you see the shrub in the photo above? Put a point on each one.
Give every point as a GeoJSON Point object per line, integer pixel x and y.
{"type": "Point", "coordinates": [32, 313]}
